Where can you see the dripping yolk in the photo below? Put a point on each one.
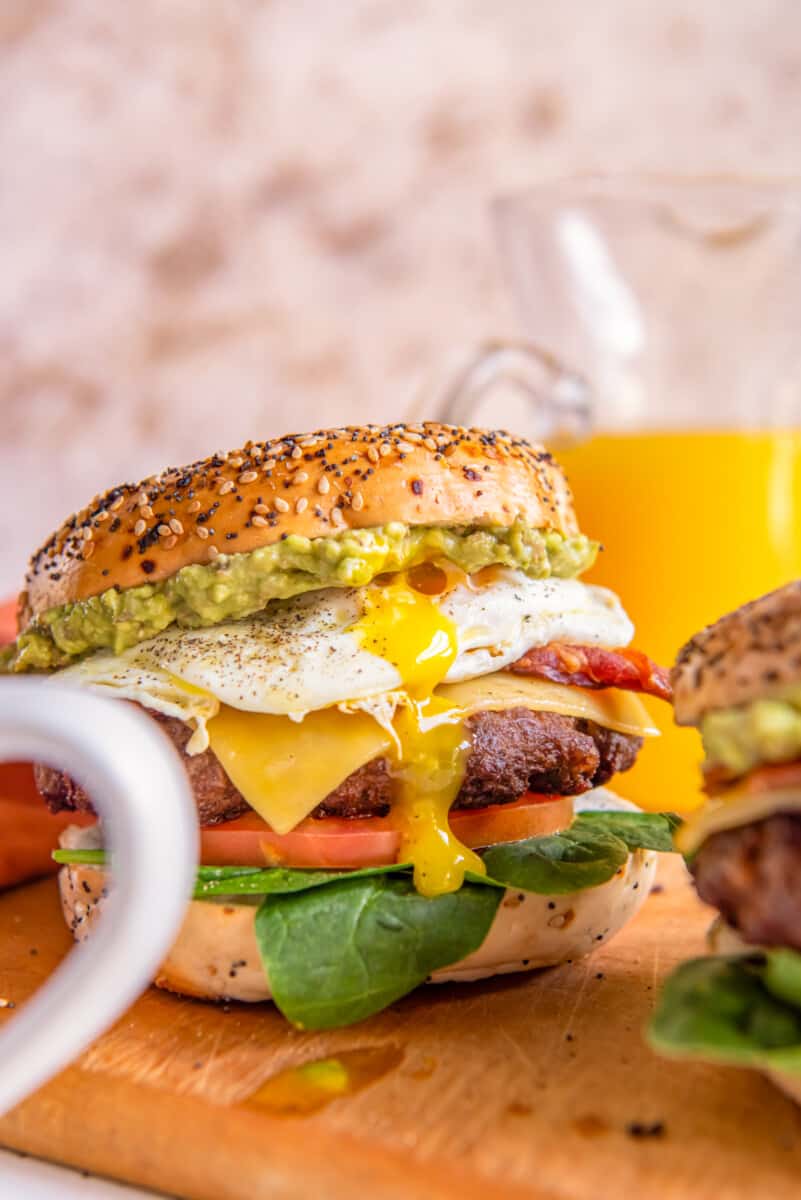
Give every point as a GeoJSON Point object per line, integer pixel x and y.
{"type": "Point", "coordinates": [405, 627]}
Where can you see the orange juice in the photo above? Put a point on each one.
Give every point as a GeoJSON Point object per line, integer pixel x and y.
{"type": "Point", "coordinates": [693, 524]}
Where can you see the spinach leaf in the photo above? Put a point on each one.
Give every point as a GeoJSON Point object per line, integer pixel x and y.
{"type": "Point", "coordinates": [720, 1009]}
{"type": "Point", "coordinates": [580, 857]}
{"type": "Point", "coordinates": [337, 954]}
{"type": "Point", "coordinates": [95, 858]}
{"type": "Point", "coordinates": [242, 881]}
{"type": "Point", "coordinates": [639, 830]}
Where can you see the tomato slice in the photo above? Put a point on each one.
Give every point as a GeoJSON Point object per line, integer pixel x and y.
{"type": "Point", "coordinates": [8, 621]}
{"type": "Point", "coordinates": [338, 842]}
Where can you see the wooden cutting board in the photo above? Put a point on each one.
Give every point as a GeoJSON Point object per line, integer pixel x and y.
{"type": "Point", "coordinates": [532, 1086]}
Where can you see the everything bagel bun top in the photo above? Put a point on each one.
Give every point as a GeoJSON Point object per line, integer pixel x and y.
{"type": "Point", "coordinates": [748, 654]}
{"type": "Point", "coordinates": [313, 485]}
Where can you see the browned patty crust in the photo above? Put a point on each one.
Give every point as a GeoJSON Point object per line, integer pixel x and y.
{"type": "Point", "coordinates": [752, 875]}
{"type": "Point", "coordinates": [511, 752]}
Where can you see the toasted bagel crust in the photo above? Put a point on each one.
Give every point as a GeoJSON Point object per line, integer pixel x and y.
{"type": "Point", "coordinates": [750, 653]}
{"type": "Point", "coordinates": [314, 485]}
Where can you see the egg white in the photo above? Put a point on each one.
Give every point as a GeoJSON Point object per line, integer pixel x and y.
{"type": "Point", "coordinates": [303, 654]}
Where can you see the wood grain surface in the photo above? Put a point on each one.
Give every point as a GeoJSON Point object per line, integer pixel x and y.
{"type": "Point", "coordinates": [533, 1086]}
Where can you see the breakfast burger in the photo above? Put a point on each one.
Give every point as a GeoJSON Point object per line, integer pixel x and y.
{"type": "Point", "coordinates": [739, 682]}
{"type": "Point", "coordinates": [371, 648]}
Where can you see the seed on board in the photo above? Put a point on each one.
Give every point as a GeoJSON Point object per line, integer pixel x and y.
{"type": "Point", "coordinates": [248, 476]}
{"type": "Point", "coordinates": [193, 507]}
{"type": "Point", "coordinates": [169, 542]}
{"type": "Point", "coordinates": [164, 531]}
{"type": "Point", "coordinates": [259, 520]}
{"type": "Point", "coordinates": [175, 525]}
{"type": "Point", "coordinates": [226, 487]}
{"type": "Point", "coordinates": [202, 532]}
{"type": "Point", "coordinates": [323, 485]}
{"type": "Point", "coordinates": [302, 504]}
{"type": "Point", "coordinates": [358, 501]}
{"type": "Point", "coordinates": [281, 504]}
{"type": "Point", "coordinates": [140, 527]}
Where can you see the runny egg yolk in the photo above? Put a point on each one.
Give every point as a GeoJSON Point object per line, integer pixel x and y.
{"type": "Point", "coordinates": [405, 627]}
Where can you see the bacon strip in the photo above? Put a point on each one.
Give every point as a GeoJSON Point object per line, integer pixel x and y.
{"type": "Point", "coordinates": [593, 667]}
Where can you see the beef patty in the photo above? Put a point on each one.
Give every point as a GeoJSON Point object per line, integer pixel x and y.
{"type": "Point", "coordinates": [752, 875]}
{"type": "Point", "coordinates": [511, 752]}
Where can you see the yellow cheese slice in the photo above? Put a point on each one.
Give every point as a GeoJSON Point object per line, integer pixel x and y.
{"type": "Point", "coordinates": [284, 768]}
{"type": "Point", "coordinates": [610, 707]}
{"type": "Point", "coordinates": [736, 809]}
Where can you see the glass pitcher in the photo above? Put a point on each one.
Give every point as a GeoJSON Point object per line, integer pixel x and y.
{"type": "Point", "coordinates": [677, 304]}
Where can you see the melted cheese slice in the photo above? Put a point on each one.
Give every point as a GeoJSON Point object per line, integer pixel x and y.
{"type": "Point", "coordinates": [740, 807]}
{"type": "Point", "coordinates": [284, 768]}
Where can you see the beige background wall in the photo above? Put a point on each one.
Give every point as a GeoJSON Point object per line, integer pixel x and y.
{"type": "Point", "coordinates": [230, 219]}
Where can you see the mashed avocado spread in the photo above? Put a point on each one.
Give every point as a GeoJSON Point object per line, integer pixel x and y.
{"type": "Point", "coordinates": [765, 731]}
{"type": "Point", "coordinates": [236, 585]}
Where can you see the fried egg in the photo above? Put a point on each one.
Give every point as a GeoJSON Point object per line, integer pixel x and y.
{"type": "Point", "coordinates": [340, 646]}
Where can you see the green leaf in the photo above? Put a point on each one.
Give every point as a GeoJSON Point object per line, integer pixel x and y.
{"type": "Point", "coordinates": [721, 1010]}
{"type": "Point", "coordinates": [639, 830]}
{"type": "Point", "coordinates": [580, 857]}
{"type": "Point", "coordinates": [95, 858]}
{"type": "Point", "coordinates": [337, 954]}
{"type": "Point", "coordinates": [239, 881]}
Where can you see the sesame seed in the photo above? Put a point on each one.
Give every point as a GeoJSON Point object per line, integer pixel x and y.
{"type": "Point", "coordinates": [248, 476]}
{"type": "Point", "coordinates": [175, 525]}
{"type": "Point", "coordinates": [302, 504]}
{"type": "Point", "coordinates": [102, 516]}
{"type": "Point", "coordinates": [145, 511]}
{"type": "Point", "coordinates": [358, 501]}
{"type": "Point", "coordinates": [323, 485]}
{"type": "Point", "coordinates": [169, 542]}
{"type": "Point", "coordinates": [261, 508]}
{"type": "Point", "coordinates": [301, 476]}
{"type": "Point", "coordinates": [296, 452]}
{"type": "Point", "coordinates": [384, 449]}
{"type": "Point", "coordinates": [337, 517]}
{"type": "Point", "coordinates": [226, 487]}
{"type": "Point", "coordinates": [87, 549]}
{"type": "Point", "coordinates": [268, 464]}
{"type": "Point", "coordinates": [202, 532]}
{"type": "Point", "coordinates": [236, 460]}
{"type": "Point", "coordinates": [142, 498]}
{"type": "Point", "coordinates": [405, 447]}
{"type": "Point", "coordinates": [213, 552]}
{"type": "Point", "coordinates": [259, 520]}
{"type": "Point", "coordinates": [281, 504]}
{"type": "Point", "coordinates": [372, 454]}
{"type": "Point", "coordinates": [118, 503]}
{"type": "Point", "coordinates": [306, 443]}
{"type": "Point", "coordinates": [412, 437]}
{"type": "Point", "coordinates": [193, 507]}
{"type": "Point", "coordinates": [86, 533]}
{"type": "Point", "coordinates": [430, 443]}
{"type": "Point", "coordinates": [164, 531]}
{"type": "Point", "coordinates": [140, 527]}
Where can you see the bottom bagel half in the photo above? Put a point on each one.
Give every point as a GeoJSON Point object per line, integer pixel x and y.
{"type": "Point", "coordinates": [216, 955]}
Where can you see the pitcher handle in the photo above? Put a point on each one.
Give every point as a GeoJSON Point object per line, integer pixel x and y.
{"type": "Point", "coordinates": [556, 399]}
